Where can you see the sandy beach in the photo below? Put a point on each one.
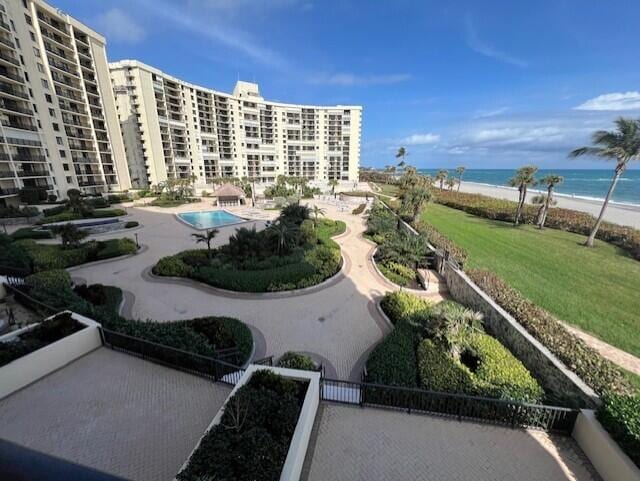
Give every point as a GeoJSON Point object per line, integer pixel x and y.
{"type": "Point", "coordinates": [618, 213]}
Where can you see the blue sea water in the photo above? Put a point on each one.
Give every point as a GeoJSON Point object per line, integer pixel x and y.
{"type": "Point", "coordinates": [585, 183]}
{"type": "Point", "coordinates": [209, 219]}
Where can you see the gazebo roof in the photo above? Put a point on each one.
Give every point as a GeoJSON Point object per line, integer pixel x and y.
{"type": "Point", "coordinates": [228, 190]}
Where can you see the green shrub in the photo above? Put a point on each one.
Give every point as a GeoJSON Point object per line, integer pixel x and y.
{"type": "Point", "coordinates": [397, 273]}
{"type": "Point", "coordinates": [308, 232]}
{"type": "Point", "coordinates": [172, 266]}
{"type": "Point", "coordinates": [67, 216]}
{"type": "Point", "coordinates": [399, 306]}
{"type": "Point", "coordinates": [599, 373]}
{"type": "Point", "coordinates": [439, 372]}
{"type": "Point", "coordinates": [620, 416]}
{"type": "Point", "coordinates": [624, 237]}
{"type": "Point", "coordinates": [393, 361]}
{"type": "Point", "coordinates": [295, 360]}
{"type": "Point", "coordinates": [10, 212]}
{"type": "Point", "coordinates": [115, 248]}
{"type": "Point", "coordinates": [224, 333]}
{"type": "Point", "coordinates": [13, 255]}
{"type": "Point", "coordinates": [359, 210]}
{"type": "Point", "coordinates": [440, 241]}
{"type": "Point", "coordinates": [31, 233]}
{"type": "Point", "coordinates": [59, 209]}
{"type": "Point", "coordinates": [45, 333]}
{"type": "Point", "coordinates": [53, 280]}
{"type": "Point", "coordinates": [130, 224]}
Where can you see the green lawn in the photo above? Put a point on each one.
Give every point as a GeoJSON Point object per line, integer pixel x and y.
{"type": "Point", "coordinates": [594, 289]}
{"type": "Point", "coordinates": [388, 189]}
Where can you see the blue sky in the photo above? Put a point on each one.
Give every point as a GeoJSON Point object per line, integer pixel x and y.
{"type": "Point", "coordinates": [488, 84]}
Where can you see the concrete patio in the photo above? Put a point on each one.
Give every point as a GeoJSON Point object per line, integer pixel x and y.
{"type": "Point", "coordinates": [114, 413]}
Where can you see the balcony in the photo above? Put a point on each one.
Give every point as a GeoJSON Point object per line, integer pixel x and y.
{"type": "Point", "coordinates": [13, 107]}
{"type": "Point", "coordinates": [7, 43]}
{"type": "Point", "coordinates": [7, 89]}
{"type": "Point", "coordinates": [61, 66]}
{"type": "Point", "coordinates": [5, 26]}
{"type": "Point", "coordinates": [68, 94]}
{"type": "Point", "coordinates": [33, 173]}
{"type": "Point", "coordinates": [14, 124]}
{"type": "Point", "coordinates": [6, 174]}
{"type": "Point", "coordinates": [8, 191]}
{"type": "Point", "coordinates": [12, 76]}
{"type": "Point", "coordinates": [10, 59]}
{"type": "Point", "coordinates": [53, 23]}
{"type": "Point", "coordinates": [23, 157]}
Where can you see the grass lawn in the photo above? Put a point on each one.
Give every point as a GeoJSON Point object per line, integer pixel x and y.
{"type": "Point", "coordinates": [388, 189]}
{"type": "Point", "coordinates": [594, 289]}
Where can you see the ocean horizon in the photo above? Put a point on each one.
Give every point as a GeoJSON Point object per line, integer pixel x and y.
{"type": "Point", "coordinates": [591, 184]}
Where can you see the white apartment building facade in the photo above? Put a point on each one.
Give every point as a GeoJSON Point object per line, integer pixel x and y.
{"type": "Point", "coordinates": [174, 129]}
{"type": "Point", "coordinates": [59, 127]}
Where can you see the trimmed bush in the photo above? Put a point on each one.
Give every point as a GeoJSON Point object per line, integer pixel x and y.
{"type": "Point", "coordinates": [130, 224]}
{"type": "Point", "coordinates": [393, 361]}
{"type": "Point", "coordinates": [9, 212]}
{"type": "Point", "coordinates": [624, 237]}
{"type": "Point", "coordinates": [399, 306]}
{"type": "Point", "coordinates": [252, 440]}
{"type": "Point", "coordinates": [51, 211]}
{"type": "Point", "coordinates": [440, 372]}
{"type": "Point", "coordinates": [359, 210]}
{"type": "Point", "coordinates": [31, 233]}
{"type": "Point", "coordinates": [45, 333]}
{"type": "Point", "coordinates": [66, 215]}
{"type": "Point", "coordinates": [602, 375]}
{"type": "Point", "coordinates": [295, 360]}
{"type": "Point", "coordinates": [620, 416]}
{"type": "Point", "coordinates": [53, 280]}
{"type": "Point", "coordinates": [397, 273]}
{"type": "Point", "coordinates": [172, 266]}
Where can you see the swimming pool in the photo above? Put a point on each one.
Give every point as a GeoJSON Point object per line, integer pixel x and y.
{"type": "Point", "coordinates": [210, 219]}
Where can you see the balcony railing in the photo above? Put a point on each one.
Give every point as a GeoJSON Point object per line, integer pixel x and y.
{"type": "Point", "coordinates": [33, 173]}
{"type": "Point", "coordinates": [12, 76]}
{"type": "Point", "coordinates": [9, 59]}
{"type": "Point", "coordinates": [19, 125]}
{"type": "Point", "coordinates": [15, 108]}
{"type": "Point", "coordinates": [12, 91]}
{"type": "Point", "coordinates": [4, 191]}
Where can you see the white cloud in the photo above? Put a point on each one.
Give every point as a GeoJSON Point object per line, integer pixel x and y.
{"type": "Point", "coordinates": [613, 101]}
{"type": "Point", "coordinates": [118, 26]}
{"type": "Point", "coordinates": [422, 139]}
{"type": "Point", "coordinates": [480, 46]}
{"type": "Point", "coordinates": [483, 114]}
{"type": "Point", "coordinates": [350, 80]}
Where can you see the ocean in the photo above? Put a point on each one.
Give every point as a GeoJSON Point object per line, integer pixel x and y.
{"type": "Point", "coordinates": [581, 183]}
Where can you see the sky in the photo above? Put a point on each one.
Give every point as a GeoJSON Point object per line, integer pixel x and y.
{"type": "Point", "coordinates": [485, 84]}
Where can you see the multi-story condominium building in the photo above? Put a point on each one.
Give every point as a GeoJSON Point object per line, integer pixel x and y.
{"type": "Point", "coordinates": [174, 129]}
{"type": "Point", "coordinates": [59, 128]}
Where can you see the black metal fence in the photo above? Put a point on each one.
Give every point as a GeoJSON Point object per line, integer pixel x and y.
{"type": "Point", "coordinates": [495, 411]}
{"type": "Point", "coordinates": [208, 367]}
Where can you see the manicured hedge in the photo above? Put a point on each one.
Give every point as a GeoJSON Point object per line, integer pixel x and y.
{"type": "Point", "coordinates": [620, 415]}
{"type": "Point", "coordinates": [10, 212]}
{"type": "Point", "coordinates": [602, 375]}
{"type": "Point", "coordinates": [131, 224]}
{"type": "Point", "coordinates": [45, 333]}
{"type": "Point", "coordinates": [51, 256]}
{"type": "Point", "coordinates": [66, 216]}
{"type": "Point", "coordinates": [400, 306]}
{"type": "Point", "coordinates": [359, 210]}
{"type": "Point", "coordinates": [397, 273]}
{"type": "Point", "coordinates": [626, 238]}
{"type": "Point", "coordinates": [393, 361]}
{"type": "Point", "coordinates": [252, 440]}
{"type": "Point", "coordinates": [295, 360]}
{"type": "Point", "coordinates": [31, 233]}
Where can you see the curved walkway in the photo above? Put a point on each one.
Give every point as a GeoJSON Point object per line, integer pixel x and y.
{"type": "Point", "coordinates": [338, 322]}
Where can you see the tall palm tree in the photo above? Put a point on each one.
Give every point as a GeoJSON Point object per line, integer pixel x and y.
{"type": "Point", "coordinates": [621, 145]}
{"type": "Point", "coordinates": [206, 238]}
{"type": "Point", "coordinates": [283, 234]}
{"type": "Point", "coordinates": [414, 199]}
{"type": "Point", "coordinates": [70, 235]}
{"type": "Point", "coordinates": [317, 211]}
{"type": "Point", "coordinates": [550, 181]}
{"type": "Point", "coordinates": [460, 171]}
{"type": "Point", "coordinates": [441, 176]}
{"type": "Point", "coordinates": [451, 183]}
{"type": "Point", "coordinates": [402, 154]}
{"type": "Point", "coordinates": [524, 178]}
{"type": "Point", "coordinates": [333, 183]}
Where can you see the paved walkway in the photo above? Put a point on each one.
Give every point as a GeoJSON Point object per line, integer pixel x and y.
{"type": "Point", "coordinates": [115, 413]}
{"type": "Point", "coordinates": [339, 322]}
{"type": "Point", "coordinates": [371, 444]}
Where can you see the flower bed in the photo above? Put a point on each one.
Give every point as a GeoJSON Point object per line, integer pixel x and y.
{"type": "Point", "coordinates": [602, 375]}
{"type": "Point", "coordinates": [47, 332]}
{"type": "Point", "coordinates": [253, 436]}
{"type": "Point", "coordinates": [251, 261]}
{"type": "Point", "coordinates": [442, 348]}
{"type": "Point", "coordinates": [626, 238]}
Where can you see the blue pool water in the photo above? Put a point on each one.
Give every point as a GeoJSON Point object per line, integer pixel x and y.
{"type": "Point", "coordinates": [210, 219]}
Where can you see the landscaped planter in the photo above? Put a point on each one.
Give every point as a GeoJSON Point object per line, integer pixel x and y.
{"type": "Point", "coordinates": [37, 364]}
{"type": "Point", "coordinates": [603, 452]}
{"type": "Point", "coordinates": [299, 441]}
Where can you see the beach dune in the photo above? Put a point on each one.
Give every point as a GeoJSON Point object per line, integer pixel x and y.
{"type": "Point", "coordinates": [618, 213]}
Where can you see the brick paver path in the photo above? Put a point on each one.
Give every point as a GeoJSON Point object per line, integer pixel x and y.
{"type": "Point", "coordinates": [372, 444]}
{"type": "Point", "coordinates": [338, 323]}
{"type": "Point", "coordinates": [115, 413]}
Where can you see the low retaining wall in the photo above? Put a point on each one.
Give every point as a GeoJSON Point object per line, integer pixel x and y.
{"type": "Point", "coordinates": [603, 452]}
{"type": "Point", "coordinates": [545, 366]}
{"type": "Point", "coordinates": [28, 369]}
{"type": "Point", "coordinates": [300, 441]}
{"type": "Point", "coordinates": [20, 220]}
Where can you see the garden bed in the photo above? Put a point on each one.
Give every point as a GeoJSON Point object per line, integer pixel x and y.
{"type": "Point", "coordinates": [294, 253]}
{"type": "Point", "coordinates": [261, 433]}
{"type": "Point", "coordinates": [66, 215]}
{"type": "Point", "coordinates": [443, 348]}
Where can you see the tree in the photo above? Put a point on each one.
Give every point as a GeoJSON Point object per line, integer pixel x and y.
{"type": "Point", "coordinates": [550, 181]}
{"type": "Point", "coordinates": [402, 154]}
{"type": "Point", "coordinates": [460, 171]}
{"type": "Point", "coordinates": [317, 211]}
{"type": "Point", "coordinates": [524, 178]}
{"type": "Point", "coordinates": [621, 145]}
{"type": "Point", "coordinates": [451, 183]}
{"type": "Point", "coordinates": [284, 234]}
{"type": "Point", "coordinates": [414, 199]}
{"type": "Point", "coordinates": [206, 238]}
{"type": "Point", "coordinates": [70, 235]}
{"type": "Point", "coordinates": [333, 183]}
{"type": "Point", "coordinates": [441, 176]}
{"type": "Point", "coordinates": [76, 204]}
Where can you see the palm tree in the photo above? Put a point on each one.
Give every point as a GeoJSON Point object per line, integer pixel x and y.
{"type": "Point", "coordinates": [207, 237]}
{"type": "Point", "coordinates": [283, 233]}
{"type": "Point", "coordinates": [523, 179]}
{"type": "Point", "coordinates": [460, 171]}
{"type": "Point", "coordinates": [550, 181]}
{"type": "Point", "coordinates": [621, 145]}
{"type": "Point", "coordinates": [333, 183]}
{"type": "Point", "coordinates": [70, 235]}
{"type": "Point", "coordinates": [75, 203]}
{"type": "Point", "coordinates": [451, 183]}
{"type": "Point", "coordinates": [414, 199]}
{"type": "Point", "coordinates": [441, 176]}
{"type": "Point", "coordinates": [317, 211]}
{"type": "Point", "coordinates": [401, 154]}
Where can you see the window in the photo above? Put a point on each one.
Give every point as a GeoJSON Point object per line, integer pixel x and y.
{"type": "Point", "coordinates": [26, 76]}
{"type": "Point", "coordinates": [56, 127]}
{"type": "Point", "coordinates": [45, 84]}
{"type": "Point", "coordinates": [18, 43]}
{"type": "Point", "coordinates": [65, 166]}
{"type": "Point", "coordinates": [36, 52]}
{"type": "Point", "coordinates": [47, 97]}
{"type": "Point", "coordinates": [59, 140]}
{"type": "Point", "coordinates": [52, 113]}
{"type": "Point", "coordinates": [69, 180]}
{"type": "Point", "coordinates": [32, 35]}
{"type": "Point", "coordinates": [63, 154]}
{"type": "Point", "coordinates": [40, 67]}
